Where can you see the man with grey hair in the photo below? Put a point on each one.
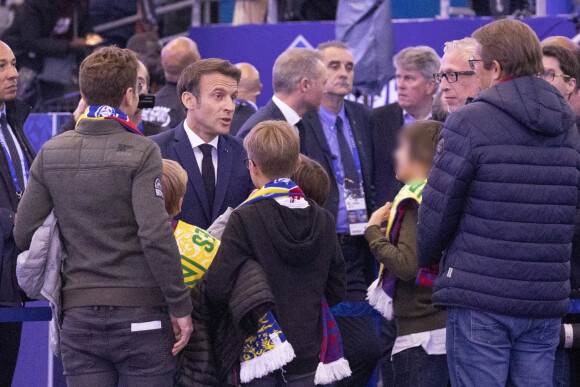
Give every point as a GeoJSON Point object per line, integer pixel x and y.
{"type": "Point", "coordinates": [339, 137]}
{"type": "Point", "coordinates": [298, 80]}
{"type": "Point", "coordinates": [457, 80]}
{"type": "Point", "coordinates": [175, 56]}
{"type": "Point", "coordinates": [249, 89]}
{"type": "Point", "coordinates": [416, 87]}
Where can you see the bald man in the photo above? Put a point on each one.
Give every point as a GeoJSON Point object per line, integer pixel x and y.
{"type": "Point", "coordinates": [249, 89]}
{"type": "Point", "coordinates": [175, 56]}
{"type": "Point", "coordinates": [16, 155]}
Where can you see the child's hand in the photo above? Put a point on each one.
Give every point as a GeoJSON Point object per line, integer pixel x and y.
{"type": "Point", "coordinates": [381, 215]}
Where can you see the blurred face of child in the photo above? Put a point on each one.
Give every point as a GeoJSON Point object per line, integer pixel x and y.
{"type": "Point", "coordinates": [406, 168]}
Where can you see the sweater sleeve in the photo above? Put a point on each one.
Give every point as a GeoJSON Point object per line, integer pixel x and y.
{"type": "Point", "coordinates": [446, 191]}
{"type": "Point", "coordinates": [401, 260]}
{"type": "Point", "coordinates": [34, 207]}
{"type": "Point", "coordinates": [156, 238]}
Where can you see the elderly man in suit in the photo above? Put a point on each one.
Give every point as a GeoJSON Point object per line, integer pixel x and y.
{"type": "Point", "coordinates": [249, 90]}
{"type": "Point", "coordinates": [339, 137]}
{"type": "Point", "coordinates": [298, 80]}
{"type": "Point", "coordinates": [416, 87]}
{"type": "Point", "coordinates": [15, 159]}
{"type": "Point", "coordinates": [214, 160]}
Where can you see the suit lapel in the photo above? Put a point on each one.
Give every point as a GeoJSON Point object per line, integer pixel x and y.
{"type": "Point", "coordinates": [224, 173]}
{"type": "Point", "coordinates": [184, 152]}
{"type": "Point", "coordinates": [276, 112]}
{"type": "Point", "coordinates": [316, 127]}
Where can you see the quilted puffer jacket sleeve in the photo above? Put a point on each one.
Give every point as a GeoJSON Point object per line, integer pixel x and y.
{"type": "Point", "coordinates": [444, 196]}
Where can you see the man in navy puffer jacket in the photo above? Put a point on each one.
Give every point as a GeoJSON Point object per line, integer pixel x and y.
{"type": "Point", "coordinates": [500, 202]}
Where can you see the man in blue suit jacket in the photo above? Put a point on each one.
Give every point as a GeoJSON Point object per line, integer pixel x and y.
{"type": "Point", "coordinates": [213, 159]}
{"type": "Point", "coordinates": [339, 137]}
{"type": "Point", "coordinates": [298, 79]}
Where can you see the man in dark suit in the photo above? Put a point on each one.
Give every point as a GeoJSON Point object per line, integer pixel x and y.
{"type": "Point", "coordinates": [298, 80]}
{"type": "Point", "coordinates": [249, 90]}
{"type": "Point", "coordinates": [214, 160]}
{"type": "Point", "coordinates": [339, 137]}
{"type": "Point", "coordinates": [15, 158]}
{"type": "Point", "coordinates": [416, 87]}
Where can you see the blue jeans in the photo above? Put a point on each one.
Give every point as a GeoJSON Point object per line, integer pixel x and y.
{"type": "Point", "coordinates": [562, 368]}
{"type": "Point", "coordinates": [415, 368]}
{"type": "Point", "coordinates": [487, 349]}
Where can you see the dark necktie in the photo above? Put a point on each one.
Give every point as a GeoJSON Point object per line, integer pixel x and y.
{"type": "Point", "coordinates": [208, 174]}
{"type": "Point", "coordinates": [302, 134]}
{"type": "Point", "coordinates": [14, 156]}
{"type": "Point", "coordinates": [346, 157]}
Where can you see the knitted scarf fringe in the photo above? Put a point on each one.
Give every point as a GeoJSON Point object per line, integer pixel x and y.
{"type": "Point", "coordinates": [332, 372]}
{"type": "Point", "coordinates": [380, 300]}
{"type": "Point", "coordinates": [266, 363]}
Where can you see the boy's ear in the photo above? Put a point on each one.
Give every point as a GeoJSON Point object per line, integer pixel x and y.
{"type": "Point", "coordinates": [179, 204]}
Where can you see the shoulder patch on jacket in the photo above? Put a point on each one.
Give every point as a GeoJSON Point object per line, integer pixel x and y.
{"type": "Point", "coordinates": [158, 188]}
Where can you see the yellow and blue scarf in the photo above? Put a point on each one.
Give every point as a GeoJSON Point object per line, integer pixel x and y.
{"type": "Point", "coordinates": [105, 112]}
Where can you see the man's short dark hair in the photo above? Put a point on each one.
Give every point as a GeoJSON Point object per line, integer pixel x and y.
{"type": "Point", "coordinates": [513, 44]}
{"type": "Point", "coordinates": [106, 74]}
{"type": "Point", "coordinates": [567, 60]}
{"type": "Point", "coordinates": [191, 75]}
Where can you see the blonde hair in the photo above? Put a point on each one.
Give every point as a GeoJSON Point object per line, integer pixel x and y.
{"type": "Point", "coordinates": [174, 186]}
{"type": "Point", "coordinates": [274, 146]}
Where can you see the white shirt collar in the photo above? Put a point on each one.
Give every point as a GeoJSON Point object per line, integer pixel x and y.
{"type": "Point", "coordinates": [408, 117]}
{"type": "Point", "coordinates": [195, 140]}
{"type": "Point", "coordinates": [3, 111]}
{"type": "Point", "coordinates": [291, 116]}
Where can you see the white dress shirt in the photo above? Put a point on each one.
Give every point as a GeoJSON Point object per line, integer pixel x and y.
{"type": "Point", "coordinates": [196, 141]}
{"type": "Point", "coordinates": [18, 148]}
{"type": "Point", "coordinates": [291, 116]}
{"type": "Point", "coordinates": [433, 342]}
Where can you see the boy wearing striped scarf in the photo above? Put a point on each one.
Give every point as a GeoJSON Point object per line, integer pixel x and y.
{"type": "Point", "coordinates": [402, 289]}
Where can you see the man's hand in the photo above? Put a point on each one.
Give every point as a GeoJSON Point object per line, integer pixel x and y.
{"type": "Point", "coordinates": [182, 327]}
{"type": "Point", "coordinates": [381, 215]}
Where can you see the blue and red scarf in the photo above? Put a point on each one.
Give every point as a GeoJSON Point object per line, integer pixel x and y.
{"type": "Point", "coordinates": [333, 366]}
{"type": "Point", "coordinates": [105, 112]}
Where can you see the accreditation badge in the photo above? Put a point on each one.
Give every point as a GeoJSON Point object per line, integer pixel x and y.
{"type": "Point", "coordinates": [356, 210]}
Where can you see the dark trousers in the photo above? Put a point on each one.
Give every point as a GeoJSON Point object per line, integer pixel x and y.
{"type": "Point", "coordinates": [9, 347]}
{"type": "Point", "coordinates": [102, 346]}
{"type": "Point", "coordinates": [360, 344]}
{"type": "Point", "coordinates": [360, 339]}
{"type": "Point", "coordinates": [278, 379]}
{"type": "Point", "coordinates": [415, 368]}
{"type": "Point", "coordinates": [387, 339]}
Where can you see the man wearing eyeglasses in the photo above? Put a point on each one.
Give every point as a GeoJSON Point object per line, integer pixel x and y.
{"type": "Point", "coordinates": [500, 202]}
{"type": "Point", "coordinates": [560, 68]}
{"type": "Point", "coordinates": [457, 81]}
